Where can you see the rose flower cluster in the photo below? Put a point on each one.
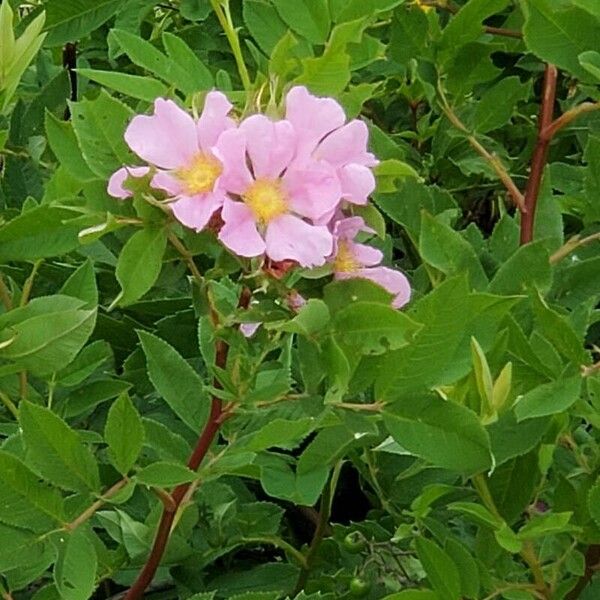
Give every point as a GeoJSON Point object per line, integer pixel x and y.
{"type": "Point", "coordinates": [282, 187]}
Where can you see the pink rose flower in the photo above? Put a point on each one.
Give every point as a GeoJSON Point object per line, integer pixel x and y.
{"type": "Point", "coordinates": [353, 260]}
{"type": "Point", "coordinates": [324, 136]}
{"type": "Point", "coordinates": [181, 151]}
{"type": "Point", "coordinates": [277, 195]}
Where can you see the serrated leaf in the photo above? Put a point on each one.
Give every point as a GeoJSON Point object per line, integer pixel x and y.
{"type": "Point", "coordinates": [548, 399]}
{"type": "Point", "coordinates": [174, 379]}
{"type": "Point", "coordinates": [135, 86]}
{"type": "Point", "coordinates": [440, 568]}
{"type": "Point", "coordinates": [140, 263]}
{"type": "Point", "coordinates": [164, 474]}
{"type": "Point", "coordinates": [124, 434]}
{"type": "Point", "coordinates": [56, 450]}
{"type": "Point", "coordinates": [75, 569]}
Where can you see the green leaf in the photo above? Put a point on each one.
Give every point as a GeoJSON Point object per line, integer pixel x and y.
{"type": "Point", "coordinates": [466, 25]}
{"type": "Point", "coordinates": [410, 32]}
{"type": "Point", "coordinates": [560, 34]}
{"type": "Point", "coordinates": [374, 328]}
{"type": "Point", "coordinates": [467, 568]}
{"type": "Point", "coordinates": [99, 125]}
{"type": "Point", "coordinates": [547, 524]}
{"type": "Point", "coordinates": [442, 432]}
{"type": "Point", "coordinates": [548, 399]}
{"type": "Point", "coordinates": [198, 75]}
{"type": "Point", "coordinates": [70, 20]}
{"type": "Point", "coordinates": [165, 474]}
{"type": "Point", "coordinates": [144, 88]}
{"type": "Point", "coordinates": [49, 340]}
{"type": "Point", "coordinates": [24, 500]}
{"type": "Point", "coordinates": [82, 284]}
{"type": "Point", "coordinates": [450, 317]}
{"type": "Point", "coordinates": [124, 434]}
{"type": "Point", "coordinates": [593, 501]}
{"type": "Point", "coordinates": [75, 569]}
{"type": "Point", "coordinates": [92, 357]}
{"type": "Point", "coordinates": [528, 268]}
{"type": "Point", "coordinates": [348, 10]}
{"type": "Point", "coordinates": [18, 547]}
{"type": "Point", "coordinates": [140, 263]}
{"type": "Point", "coordinates": [56, 450]}
{"type": "Point", "coordinates": [180, 386]}
{"type": "Point", "coordinates": [145, 55]}
{"type": "Point", "coordinates": [413, 595]}
{"type": "Point", "coordinates": [312, 318]}
{"type": "Point", "coordinates": [264, 23]}
{"type": "Point", "coordinates": [440, 568]}
{"type": "Point", "coordinates": [590, 61]}
{"type": "Point", "coordinates": [63, 142]}
{"type": "Point", "coordinates": [330, 72]}
{"type": "Point", "coordinates": [446, 250]}
{"type": "Point", "coordinates": [39, 233]}
{"type": "Point", "coordinates": [498, 103]}
{"type": "Point", "coordinates": [309, 18]}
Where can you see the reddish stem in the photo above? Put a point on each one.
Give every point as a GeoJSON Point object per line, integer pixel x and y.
{"type": "Point", "coordinates": [540, 154]}
{"type": "Point", "coordinates": [215, 419]}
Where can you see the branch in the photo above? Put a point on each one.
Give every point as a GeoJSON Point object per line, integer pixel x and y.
{"type": "Point", "coordinates": [571, 245]}
{"type": "Point", "coordinates": [205, 440]}
{"type": "Point", "coordinates": [592, 565]}
{"type": "Point", "coordinates": [493, 160]}
{"type": "Point", "coordinates": [540, 154]}
{"type": "Point", "coordinates": [565, 119]}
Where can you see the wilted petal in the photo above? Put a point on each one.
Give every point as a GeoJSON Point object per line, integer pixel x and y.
{"type": "Point", "coordinates": [214, 120]}
{"type": "Point", "coordinates": [239, 232]}
{"type": "Point", "coordinates": [166, 139]}
{"type": "Point", "coordinates": [312, 117]}
{"type": "Point", "coordinates": [290, 238]}
{"type": "Point", "coordinates": [271, 145]}
{"type": "Point", "coordinates": [195, 211]}
{"type": "Point", "coordinates": [115, 183]}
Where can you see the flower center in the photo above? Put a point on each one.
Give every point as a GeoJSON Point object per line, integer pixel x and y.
{"type": "Point", "coordinates": [200, 176]}
{"type": "Point", "coordinates": [344, 261]}
{"type": "Point", "coordinates": [423, 6]}
{"type": "Point", "coordinates": [266, 199]}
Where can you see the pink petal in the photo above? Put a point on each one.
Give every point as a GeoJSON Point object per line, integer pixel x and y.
{"type": "Point", "coordinates": [348, 228]}
{"type": "Point", "coordinates": [366, 255]}
{"type": "Point", "coordinates": [312, 117]}
{"type": "Point", "coordinates": [249, 329]}
{"type": "Point", "coordinates": [166, 139]}
{"type": "Point", "coordinates": [291, 238]}
{"type": "Point", "coordinates": [239, 232]}
{"type": "Point", "coordinates": [195, 211]}
{"type": "Point", "coordinates": [214, 120]}
{"type": "Point", "coordinates": [392, 280]}
{"type": "Point", "coordinates": [313, 188]}
{"type": "Point", "coordinates": [347, 145]}
{"type": "Point", "coordinates": [271, 145]}
{"type": "Point", "coordinates": [167, 182]}
{"type": "Point", "coordinates": [358, 183]}
{"type": "Point", "coordinates": [230, 149]}
{"type": "Point", "coordinates": [117, 179]}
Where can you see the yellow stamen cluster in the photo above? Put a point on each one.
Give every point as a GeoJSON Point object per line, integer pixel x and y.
{"type": "Point", "coordinates": [344, 261]}
{"type": "Point", "coordinates": [266, 199]}
{"type": "Point", "coordinates": [423, 5]}
{"type": "Point", "coordinates": [200, 176]}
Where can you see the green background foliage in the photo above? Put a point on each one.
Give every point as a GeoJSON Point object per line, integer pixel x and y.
{"type": "Point", "coordinates": [449, 451]}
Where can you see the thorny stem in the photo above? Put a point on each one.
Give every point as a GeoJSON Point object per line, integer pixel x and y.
{"type": "Point", "coordinates": [91, 510]}
{"type": "Point", "coordinates": [221, 9]}
{"type": "Point", "coordinates": [493, 160]}
{"type": "Point", "coordinates": [540, 153]}
{"type": "Point", "coordinates": [215, 419]}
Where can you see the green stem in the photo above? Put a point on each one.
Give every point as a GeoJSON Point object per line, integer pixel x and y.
{"type": "Point", "coordinates": [224, 16]}
{"type": "Point", "coordinates": [10, 405]}
{"type": "Point", "coordinates": [29, 283]}
{"type": "Point", "coordinates": [322, 525]}
{"type": "Point", "coordinates": [5, 295]}
{"type": "Point", "coordinates": [279, 543]}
